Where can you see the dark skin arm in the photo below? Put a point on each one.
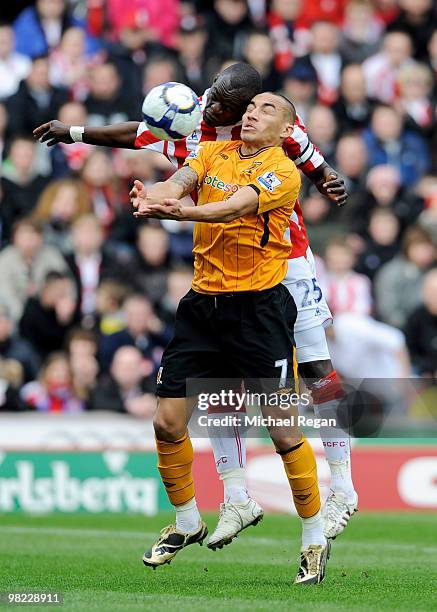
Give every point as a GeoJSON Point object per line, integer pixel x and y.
{"type": "Point", "coordinates": [329, 183]}
{"type": "Point", "coordinates": [120, 135]}
{"type": "Point", "coordinates": [123, 135]}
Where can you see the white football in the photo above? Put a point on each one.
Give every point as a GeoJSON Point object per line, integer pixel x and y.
{"type": "Point", "coordinates": [171, 111]}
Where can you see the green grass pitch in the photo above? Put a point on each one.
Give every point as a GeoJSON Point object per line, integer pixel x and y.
{"type": "Point", "coordinates": [381, 562]}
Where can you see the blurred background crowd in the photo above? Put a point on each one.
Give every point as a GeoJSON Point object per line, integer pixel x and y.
{"type": "Point", "coordinates": [88, 294]}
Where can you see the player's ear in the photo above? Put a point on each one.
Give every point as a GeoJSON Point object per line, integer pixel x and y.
{"type": "Point", "coordinates": [287, 130]}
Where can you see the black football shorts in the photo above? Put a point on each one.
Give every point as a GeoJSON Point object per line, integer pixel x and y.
{"type": "Point", "coordinates": [246, 336]}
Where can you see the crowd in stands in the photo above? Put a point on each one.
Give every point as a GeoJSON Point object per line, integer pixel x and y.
{"type": "Point", "coordinates": [88, 294]}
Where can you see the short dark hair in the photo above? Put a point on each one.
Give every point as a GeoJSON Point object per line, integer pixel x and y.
{"type": "Point", "coordinates": [290, 106]}
{"type": "Point", "coordinates": [244, 79]}
{"type": "Point", "coordinates": [54, 275]}
{"type": "Point", "coordinates": [27, 222]}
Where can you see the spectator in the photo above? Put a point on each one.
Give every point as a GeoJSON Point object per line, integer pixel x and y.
{"type": "Point", "coordinates": [362, 30]}
{"type": "Point", "coordinates": [39, 28]}
{"type": "Point", "coordinates": [53, 391]}
{"type": "Point", "coordinates": [152, 261]}
{"type": "Point", "coordinates": [290, 38]}
{"type": "Point", "coordinates": [143, 330]}
{"type": "Point", "coordinates": [332, 11]}
{"type": "Point", "coordinates": [16, 348]}
{"type": "Point", "coordinates": [21, 183]}
{"type": "Point", "coordinates": [363, 348]}
{"type": "Point", "coordinates": [432, 54]}
{"type": "Point", "coordinates": [69, 63]}
{"type": "Point", "coordinates": [60, 204]}
{"type": "Point", "coordinates": [388, 143]}
{"type": "Point", "coordinates": [98, 179]}
{"type": "Point", "coordinates": [47, 318]}
{"type": "Point", "coordinates": [322, 220]}
{"type": "Point", "coordinates": [398, 284]}
{"type": "Point", "coordinates": [13, 66]}
{"type": "Point", "coordinates": [415, 88]}
{"type": "Point", "coordinates": [417, 19]}
{"type": "Point", "coordinates": [159, 18]}
{"type": "Point", "coordinates": [353, 108]}
{"type": "Point", "coordinates": [82, 350]}
{"type": "Point", "coordinates": [191, 45]}
{"type": "Point", "coordinates": [421, 329]}
{"type": "Point", "coordinates": [326, 59]}
{"type": "Point", "coordinates": [322, 130]}
{"type": "Point", "coordinates": [351, 157]}
{"type": "Point", "coordinates": [381, 69]}
{"type": "Point", "coordinates": [89, 263]}
{"type": "Point", "coordinates": [227, 27]}
{"type": "Point", "coordinates": [129, 388]}
{"type": "Point", "coordinates": [11, 379]}
{"type": "Point", "coordinates": [383, 189]}
{"type": "Point", "coordinates": [300, 85]}
{"type": "Point", "coordinates": [258, 51]}
{"type": "Point", "coordinates": [106, 102]}
{"type": "Point", "coordinates": [160, 70]}
{"type": "Point", "coordinates": [346, 290]}
{"type": "Point", "coordinates": [24, 265]}
{"type": "Point", "coordinates": [3, 128]}
{"type": "Point", "coordinates": [178, 284]}
{"type": "Point", "coordinates": [36, 101]}
{"type": "Point", "coordinates": [427, 189]}
{"type": "Point", "coordinates": [381, 245]}
{"type": "Point", "coordinates": [131, 52]}
{"type": "Point", "coordinates": [110, 298]}
{"type": "Point", "coordinates": [69, 159]}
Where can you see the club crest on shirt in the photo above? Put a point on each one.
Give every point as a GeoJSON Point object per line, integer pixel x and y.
{"type": "Point", "coordinates": [269, 181]}
{"type": "Point", "coordinates": [253, 167]}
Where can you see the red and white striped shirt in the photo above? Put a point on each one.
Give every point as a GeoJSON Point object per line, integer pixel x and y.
{"type": "Point", "coordinates": [298, 147]}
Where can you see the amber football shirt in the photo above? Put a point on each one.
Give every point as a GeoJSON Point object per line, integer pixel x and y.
{"type": "Point", "coordinates": [249, 253]}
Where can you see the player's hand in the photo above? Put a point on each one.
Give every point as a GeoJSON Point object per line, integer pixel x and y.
{"type": "Point", "coordinates": [53, 132]}
{"type": "Point", "coordinates": [334, 188]}
{"type": "Point", "coordinates": [138, 195]}
{"type": "Point", "coordinates": [170, 209]}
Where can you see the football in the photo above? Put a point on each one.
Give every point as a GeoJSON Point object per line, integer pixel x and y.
{"type": "Point", "coordinates": [171, 111]}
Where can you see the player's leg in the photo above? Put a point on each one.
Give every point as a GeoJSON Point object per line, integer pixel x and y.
{"type": "Point", "coordinates": [175, 460]}
{"type": "Point", "coordinates": [192, 353]}
{"type": "Point", "coordinates": [265, 356]}
{"type": "Point", "coordinates": [316, 369]}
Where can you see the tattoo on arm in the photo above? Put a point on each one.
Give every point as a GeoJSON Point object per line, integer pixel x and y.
{"type": "Point", "coordinates": [186, 179]}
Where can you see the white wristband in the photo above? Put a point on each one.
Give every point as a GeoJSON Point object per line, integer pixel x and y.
{"type": "Point", "coordinates": [76, 133]}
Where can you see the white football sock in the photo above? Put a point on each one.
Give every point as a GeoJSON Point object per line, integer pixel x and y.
{"type": "Point", "coordinates": [228, 444]}
{"type": "Point", "coordinates": [337, 450]}
{"type": "Point", "coordinates": [312, 530]}
{"type": "Point", "coordinates": [187, 517]}
{"type": "Point", "coordinates": [234, 486]}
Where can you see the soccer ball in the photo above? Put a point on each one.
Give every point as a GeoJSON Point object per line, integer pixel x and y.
{"type": "Point", "coordinates": [171, 111]}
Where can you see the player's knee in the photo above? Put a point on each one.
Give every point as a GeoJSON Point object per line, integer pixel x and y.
{"type": "Point", "coordinates": [168, 428]}
{"type": "Point", "coordinates": [283, 442]}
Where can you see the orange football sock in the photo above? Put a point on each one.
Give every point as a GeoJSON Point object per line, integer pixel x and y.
{"type": "Point", "coordinates": [300, 467]}
{"type": "Point", "coordinates": [175, 460]}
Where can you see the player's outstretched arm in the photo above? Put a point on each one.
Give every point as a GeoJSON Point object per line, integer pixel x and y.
{"type": "Point", "coordinates": [179, 185]}
{"type": "Point", "coordinates": [120, 135]}
{"type": "Point", "coordinates": [244, 202]}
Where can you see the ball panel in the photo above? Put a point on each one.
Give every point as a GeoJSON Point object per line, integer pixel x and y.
{"type": "Point", "coordinates": [171, 111]}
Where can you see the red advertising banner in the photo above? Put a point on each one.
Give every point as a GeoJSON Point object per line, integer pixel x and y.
{"type": "Point", "coordinates": [386, 478]}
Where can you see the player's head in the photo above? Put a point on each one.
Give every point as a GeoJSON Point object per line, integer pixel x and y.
{"type": "Point", "coordinates": [230, 94]}
{"type": "Point", "coordinates": [268, 120]}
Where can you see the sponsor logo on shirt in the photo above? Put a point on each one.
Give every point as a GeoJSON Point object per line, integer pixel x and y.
{"type": "Point", "coordinates": [214, 181]}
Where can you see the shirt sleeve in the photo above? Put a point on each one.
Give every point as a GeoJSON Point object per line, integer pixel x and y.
{"type": "Point", "coordinates": [278, 187]}
{"type": "Point", "coordinates": [301, 150]}
{"type": "Point", "coordinates": [146, 140]}
{"type": "Point", "coordinates": [197, 161]}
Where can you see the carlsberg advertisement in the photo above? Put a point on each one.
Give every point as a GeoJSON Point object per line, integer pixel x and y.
{"type": "Point", "coordinates": [113, 481]}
